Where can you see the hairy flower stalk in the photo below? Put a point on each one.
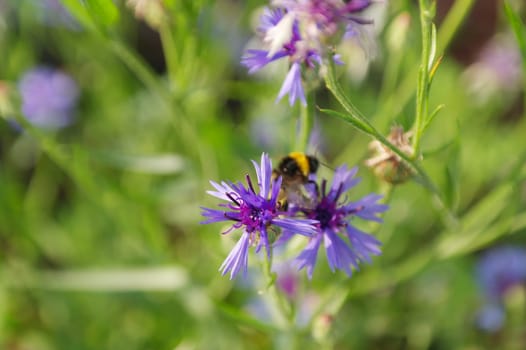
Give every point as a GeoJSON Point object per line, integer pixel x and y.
{"type": "Point", "coordinates": [304, 32]}
{"type": "Point", "coordinates": [255, 213]}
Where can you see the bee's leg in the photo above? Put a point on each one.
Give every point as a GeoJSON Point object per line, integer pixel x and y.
{"type": "Point", "coordinates": [283, 205]}
{"type": "Point", "coordinates": [312, 184]}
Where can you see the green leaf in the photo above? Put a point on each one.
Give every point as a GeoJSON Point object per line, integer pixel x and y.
{"type": "Point", "coordinates": [79, 11]}
{"type": "Point", "coordinates": [432, 116]}
{"type": "Point", "coordinates": [244, 319]}
{"type": "Point", "coordinates": [517, 26]}
{"type": "Point", "coordinates": [160, 164]}
{"type": "Point", "coordinates": [103, 11]}
{"type": "Point", "coordinates": [93, 14]}
{"type": "Point", "coordinates": [432, 50]}
{"type": "Point", "coordinates": [357, 123]}
{"type": "Point", "coordinates": [480, 224]}
{"type": "Point", "coordinates": [453, 171]}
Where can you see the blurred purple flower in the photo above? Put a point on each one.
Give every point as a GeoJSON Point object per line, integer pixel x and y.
{"type": "Point", "coordinates": [491, 317]}
{"type": "Point", "coordinates": [499, 270]}
{"type": "Point", "coordinates": [287, 280]}
{"type": "Point", "coordinates": [55, 14]}
{"type": "Point", "coordinates": [254, 212]}
{"type": "Point", "coordinates": [49, 97]}
{"type": "Point", "coordinates": [304, 32]}
{"type": "Point", "coordinates": [345, 245]}
{"type": "Point", "coordinates": [502, 56]}
{"type": "Point", "coordinates": [497, 70]}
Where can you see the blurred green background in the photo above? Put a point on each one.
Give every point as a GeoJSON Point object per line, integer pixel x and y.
{"type": "Point", "coordinates": [100, 242]}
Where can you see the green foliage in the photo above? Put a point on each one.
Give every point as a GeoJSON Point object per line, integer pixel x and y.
{"type": "Point", "coordinates": [100, 241]}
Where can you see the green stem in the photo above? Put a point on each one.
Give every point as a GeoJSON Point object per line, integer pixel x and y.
{"type": "Point", "coordinates": [73, 161]}
{"type": "Point", "coordinates": [335, 88]}
{"type": "Point", "coordinates": [395, 104]}
{"type": "Point", "coordinates": [282, 305]}
{"type": "Point", "coordinates": [354, 114]}
{"type": "Point", "coordinates": [170, 51]}
{"type": "Point", "coordinates": [187, 132]}
{"type": "Point", "coordinates": [519, 30]}
{"type": "Point", "coordinates": [141, 70]}
{"type": "Point", "coordinates": [305, 124]}
{"type": "Point", "coordinates": [422, 92]}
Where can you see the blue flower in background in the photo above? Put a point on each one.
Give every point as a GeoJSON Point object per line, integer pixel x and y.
{"type": "Point", "coordinates": [54, 14]}
{"type": "Point", "coordinates": [304, 32]}
{"type": "Point", "coordinates": [345, 245]}
{"type": "Point", "coordinates": [255, 212]}
{"type": "Point", "coordinates": [49, 97]}
{"type": "Point", "coordinates": [499, 270]}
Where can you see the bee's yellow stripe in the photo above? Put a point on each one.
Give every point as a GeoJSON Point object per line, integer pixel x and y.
{"type": "Point", "coordinates": [302, 161]}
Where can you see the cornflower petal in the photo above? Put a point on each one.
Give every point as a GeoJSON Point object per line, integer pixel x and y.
{"type": "Point", "coordinates": [307, 258]}
{"type": "Point", "coordinates": [238, 257]}
{"type": "Point", "coordinates": [280, 34]}
{"type": "Point", "coordinates": [334, 225]}
{"type": "Point", "coordinates": [303, 227]}
{"type": "Point", "coordinates": [338, 59]}
{"type": "Point", "coordinates": [265, 175]}
{"type": "Point", "coordinates": [292, 85]}
{"type": "Point", "coordinates": [222, 190]}
{"type": "Point", "coordinates": [269, 19]}
{"type": "Point", "coordinates": [365, 245]}
{"type": "Point", "coordinates": [254, 210]}
{"type": "Point", "coordinates": [254, 60]}
{"type": "Point", "coordinates": [276, 187]}
{"type": "Point", "coordinates": [367, 208]}
{"type": "Point", "coordinates": [305, 32]}
{"type": "Point", "coordinates": [213, 215]}
{"type": "Point", "coordinates": [339, 255]}
{"type": "Point", "coordinates": [357, 5]}
{"type": "Point", "coordinates": [284, 237]}
{"type": "Point", "coordinates": [343, 179]}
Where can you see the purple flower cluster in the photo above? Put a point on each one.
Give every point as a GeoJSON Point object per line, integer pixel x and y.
{"type": "Point", "coordinates": [255, 212]}
{"type": "Point", "coordinates": [304, 31]}
{"type": "Point", "coordinates": [48, 97]}
{"type": "Point", "coordinates": [327, 220]}
{"type": "Point", "coordinates": [498, 271]}
{"type": "Point", "coordinates": [345, 245]}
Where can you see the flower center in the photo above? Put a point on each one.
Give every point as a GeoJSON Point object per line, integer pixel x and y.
{"type": "Point", "coordinates": [254, 218]}
{"type": "Point", "coordinates": [327, 214]}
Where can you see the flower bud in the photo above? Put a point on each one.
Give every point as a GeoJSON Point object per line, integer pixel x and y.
{"type": "Point", "coordinates": [321, 327]}
{"type": "Point", "coordinates": [385, 163]}
{"type": "Point", "coordinates": [151, 11]}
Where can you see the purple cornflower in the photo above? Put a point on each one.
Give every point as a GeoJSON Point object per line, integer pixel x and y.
{"type": "Point", "coordinates": [498, 271]}
{"type": "Point", "coordinates": [287, 280]}
{"type": "Point", "coordinates": [497, 70]}
{"type": "Point", "coordinates": [54, 14]}
{"type": "Point", "coordinates": [253, 212]}
{"type": "Point", "coordinates": [303, 31]}
{"type": "Point", "coordinates": [345, 245]}
{"type": "Point", "coordinates": [48, 97]}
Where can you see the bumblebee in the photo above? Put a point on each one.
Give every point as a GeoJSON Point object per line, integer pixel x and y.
{"type": "Point", "coordinates": [295, 170]}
